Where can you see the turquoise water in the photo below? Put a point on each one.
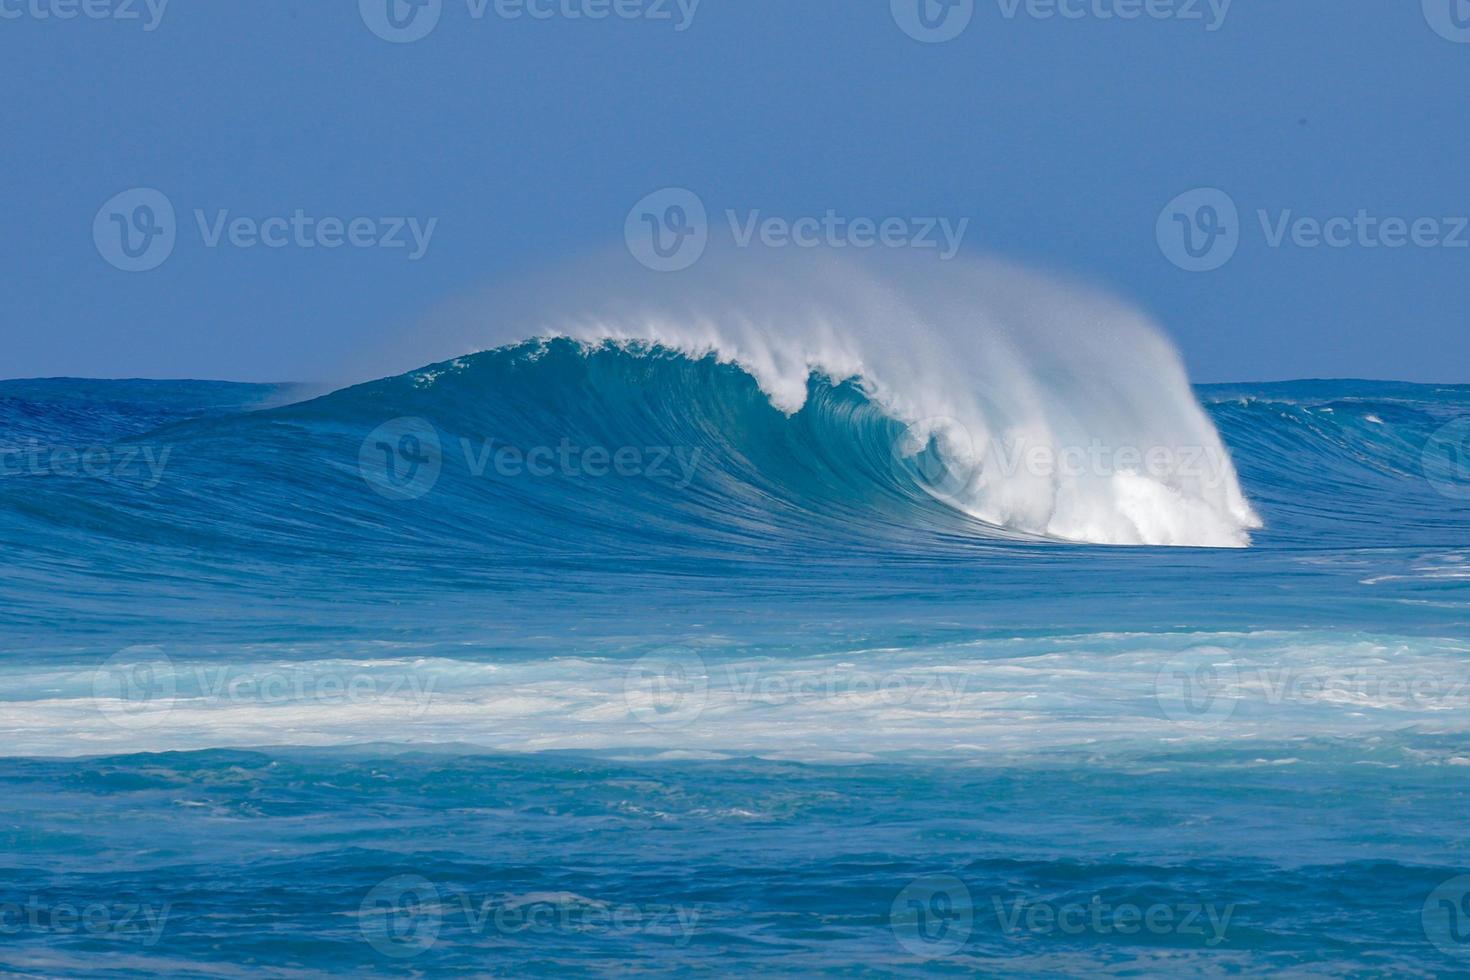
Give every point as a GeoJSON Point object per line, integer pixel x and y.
{"type": "Point", "coordinates": [573, 660]}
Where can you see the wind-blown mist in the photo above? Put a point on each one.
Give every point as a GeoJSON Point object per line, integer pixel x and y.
{"type": "Point", "coordinates": [1052, 409]}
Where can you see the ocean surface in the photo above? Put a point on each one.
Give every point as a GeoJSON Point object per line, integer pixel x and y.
{"type": "Point", "coordinates": [651, 657]}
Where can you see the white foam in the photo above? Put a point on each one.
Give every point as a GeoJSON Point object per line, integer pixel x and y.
{"type": "Point", "coordinates": [1025, 367]}
{"type": "Point", "coordinates": [1098, 693]}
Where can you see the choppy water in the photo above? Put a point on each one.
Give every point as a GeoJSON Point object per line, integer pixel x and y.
{"type": "Point", "coordinates": [566, 659]}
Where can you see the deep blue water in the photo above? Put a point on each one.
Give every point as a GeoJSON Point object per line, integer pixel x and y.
{"type": "Point", "coordinates": [289, 686]}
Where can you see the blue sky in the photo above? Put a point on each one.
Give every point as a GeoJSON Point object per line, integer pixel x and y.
{"type": "Point", "coordinates": [514, 144]}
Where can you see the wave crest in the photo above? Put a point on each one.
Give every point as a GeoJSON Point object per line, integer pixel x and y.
{"type": "Point", "coordinates": [1066, 413]}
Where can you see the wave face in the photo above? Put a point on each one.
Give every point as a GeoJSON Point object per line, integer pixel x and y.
{"type": "Point", "coordinates": [628, 447]}
{"type": "Point", "coordinates": [843, 403]}
{"type": "Point", "coordinates": [555, 461]}
{"type": "Point", "coordinates": [824, 609]}
{"type": "Point", "coordinates": [1049, 410]}
{"type": "Point", "coordinates": [839, 402]}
